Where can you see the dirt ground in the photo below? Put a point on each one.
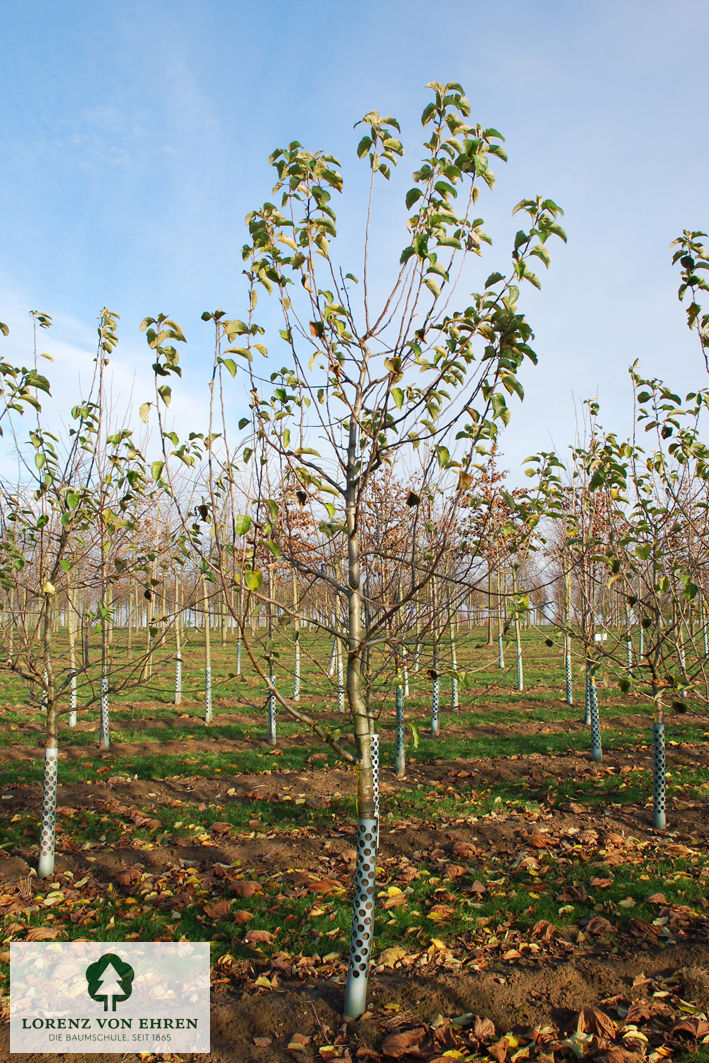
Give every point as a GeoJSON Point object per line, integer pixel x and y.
{"type": "Point", "coordinates": [611, 993]}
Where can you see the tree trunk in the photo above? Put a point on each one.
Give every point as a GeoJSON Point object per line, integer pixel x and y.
{"type": "Point", "coordinates": [71, 632]}
{"type": "Point", "coordinates": [45, 866]}
{"type": "Point", "coordinates": [207, 655]}
{"type": "Point", "coordinates": [362, 932]}
{"type": "Point", "coordinates": [104, 740]}
{"type": "Point", "coordinates": [400, 752]}
{"type": "Point", "coordinates": [659, 774]}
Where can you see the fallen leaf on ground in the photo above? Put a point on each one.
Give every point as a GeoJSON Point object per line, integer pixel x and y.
{"type": "Point", "coordinates": [259, 937]}
{"type": "Point", "coordinates": [406, 1043]}
{"type": "Point", "coordinates": [245, 888]}
{"type": "Point", "coordinates": [594, 1021]}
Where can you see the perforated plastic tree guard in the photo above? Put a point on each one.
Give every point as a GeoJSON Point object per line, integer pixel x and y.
{"type": "Point", "coordinates": [569, 680]}
{"type": "Point", "coordinates": [596, 750]}
{"type": "Point", "coordinates": [49, 813]}
{"type": "Point", "coordinates": [207, 694]}
{"type": "Point", "coordinates": [271, 718]}
{"type": "Point", "coordinates": [658, 776]}
{"type": "Point", "coordinates": [587, 704]}
{"type": "Point", "coordinates": [296, 673]}
{"type": "Point", "coordinates": [104, 739]}
{"type": "Point", "coordinates": [362, 919]}
{"type": "Point", "coordinates": [178, 680]}
{"type": "Point", "coordinates": [374, 754]}
{"type": "Point", "coordinates": [435, 705]}
{"type": "Point", "coordinates": [238, 656]}
{"type": "Point", "coordinates": [72, 701]}
{"type": "Point", "coordinates": [454, 692]}
{"type": "Point", "coordinates": [500, 653]}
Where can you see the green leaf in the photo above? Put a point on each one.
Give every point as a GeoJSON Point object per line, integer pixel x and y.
{"type": "Point", "coordinates": [428, 112]}
{"type": "Point", "coordinates": [253, 580]}
{"type": "Point", "coordinates": [411, 196]}
{"type": "Point", "coordinates": [243, 523]}
{"type": "Point", "coordinates": [443, 455]}
{"type": "Point", "coordinates": [499, 407]}
{"type": "Point", "coordinates": [165, 393]}
{"type": "Point", "coordinates": [493, 279]}
{"type": "Point", "coordinates": [398, 396]}
{"type": "Point", "coordinates": [144, 412]}
{"type": "Point", "coordinates": [532, 278]}
{"type": "Point", "coordinates": [229, 364]}
{"type": "Point", "coordinates": [363, 147]}
{"type": "Point", "coordinates": [156, 470]}
{"type": "Point", "coordinates": [243, 352]}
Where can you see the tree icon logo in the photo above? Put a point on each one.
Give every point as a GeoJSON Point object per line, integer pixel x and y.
{"type": "Point", "coordinates": [110, 979]}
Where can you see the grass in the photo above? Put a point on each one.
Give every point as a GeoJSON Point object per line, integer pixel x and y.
{"type": "Point", "coordinates": [491, 903]}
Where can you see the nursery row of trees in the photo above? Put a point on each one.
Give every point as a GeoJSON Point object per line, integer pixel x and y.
{"type": "Point", "coordinates": [360, 492]}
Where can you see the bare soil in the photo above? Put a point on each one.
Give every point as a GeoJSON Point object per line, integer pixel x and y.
{"type": "Point", "coordinates": [537, 994]}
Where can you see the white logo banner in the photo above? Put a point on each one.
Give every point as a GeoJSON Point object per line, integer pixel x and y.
{"type": "Point", "coordinates": [111, 996]}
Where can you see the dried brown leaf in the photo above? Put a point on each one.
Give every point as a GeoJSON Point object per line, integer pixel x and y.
{"type": "Point", "coordinates": [406, 1043]}
{"type": "Point", "coordinates": [259, 937]}
{"type": "Point", "coordinates": [241, 916]}
{"type": "Point", "coordinates": [42, 933]}
{"type": "Point", "coordinates": [596, 1022]}
{"type": "Point", "coordinates": [216, 909]}
{"type": "Point", "coordinates": [484, 1030]}
{"type": "Point", "coordinates": [245, 888]}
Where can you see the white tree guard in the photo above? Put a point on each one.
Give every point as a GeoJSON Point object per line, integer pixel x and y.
{"type": "Point", "coordinates": [435, 706]}
{"type": "Point", "coordinates": [72, 701]}
{"type": "Point", "coordinates": [49, 812]}
{"type": "Point", "coordinates": [178, 680]}
{"type": "Point", "coordinates": [659, 777]}
{"type": "Point", "coordinates": [271, 737]}
{"type": "Point", "coordinates": [596, 749]}
{"type": "Point", "coordinates": [296, 672]}
{"type": "Point", "coordinates": [362, 932]}
{"type": "Point", "coordinates": [340, 679]}
{"type": "Point", "coordinates": [104, 733]}
{"type": "Point", "coordinates": [207, 695]}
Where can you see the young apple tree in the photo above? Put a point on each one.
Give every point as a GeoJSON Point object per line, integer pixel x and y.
{"type": "Point", "coordinates": [414, 375]}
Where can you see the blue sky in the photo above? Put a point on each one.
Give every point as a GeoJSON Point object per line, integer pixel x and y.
{"type": "Point", "coordinates": [136, 138]}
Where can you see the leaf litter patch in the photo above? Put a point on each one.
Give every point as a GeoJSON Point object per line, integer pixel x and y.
{"type": "Point", "coordinates": [559, 931]}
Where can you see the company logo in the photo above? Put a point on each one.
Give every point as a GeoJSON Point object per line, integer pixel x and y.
{"type": "Point", "coordinates": [110, 979]}
{"type": "Point", "coordinates": [149, 997]}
